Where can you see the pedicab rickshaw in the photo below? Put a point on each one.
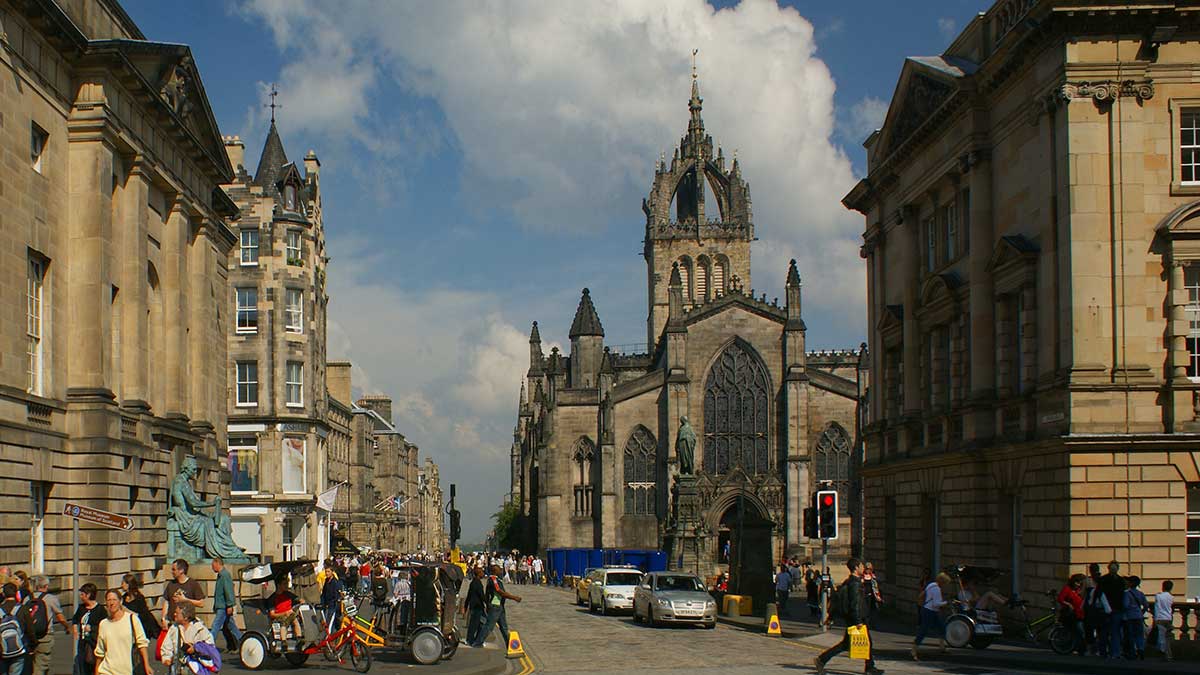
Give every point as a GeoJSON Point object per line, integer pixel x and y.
{"type": "Point", "coordinates": [265, 638]}
{"type": "Point", "coordinates": [427, 629]}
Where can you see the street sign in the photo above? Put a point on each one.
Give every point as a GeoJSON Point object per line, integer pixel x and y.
{"type": "Point", "coordinates": [114, 520]}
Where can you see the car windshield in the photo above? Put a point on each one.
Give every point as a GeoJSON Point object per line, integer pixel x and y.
{"type": "Point", "coordinates": [623, 578]}
{"type": "Point", "coordinates": [679, 584]}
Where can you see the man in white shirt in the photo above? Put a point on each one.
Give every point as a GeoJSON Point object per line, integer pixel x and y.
{"type": "Point", "coordinates": [1164, 605]}
{"type": "Point", "coordinates": [537, 570]}
{"type": "Point", "coordinates": [931, 612]}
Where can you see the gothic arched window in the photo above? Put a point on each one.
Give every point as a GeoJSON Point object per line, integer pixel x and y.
{"type": "Point", "coordinates": [736, 412]}
{"type": "Point", "coordinates": [584, 459]}
{"type": "Point", "coordinates": [685, 276]}
{"type": "Point", "coordinates": [641, 472]}
{"type": "Point", "coordinates": [833, 459]}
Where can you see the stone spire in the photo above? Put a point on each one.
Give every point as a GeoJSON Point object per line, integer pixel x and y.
{"type": "Point", "coordinates": [586, 321]}
{"type": "Point", "coordinates": [272, 161]}
{"type": "Point", "coordinates": [696, 105]}
{"type": "Point", "coordinates": [535, 352]}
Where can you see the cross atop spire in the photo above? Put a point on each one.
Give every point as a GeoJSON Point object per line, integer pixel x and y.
{"type": "Point", "coordinates": [273, 105]}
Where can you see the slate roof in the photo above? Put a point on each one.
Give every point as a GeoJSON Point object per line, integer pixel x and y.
{"type": "Point", "coordinates": [586, 321]}
{"type": "Point", "coordinates": [272, 161]}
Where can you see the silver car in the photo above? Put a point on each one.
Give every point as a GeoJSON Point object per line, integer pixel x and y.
{"type": "Point", "coordinates": [673, 597]}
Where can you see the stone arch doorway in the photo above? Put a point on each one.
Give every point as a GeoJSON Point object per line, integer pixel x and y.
{"type": "Point", "coordinates": [745, 548]}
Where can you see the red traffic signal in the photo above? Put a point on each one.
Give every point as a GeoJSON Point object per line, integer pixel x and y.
{"type": "Point", "coordinates": [827, 514]}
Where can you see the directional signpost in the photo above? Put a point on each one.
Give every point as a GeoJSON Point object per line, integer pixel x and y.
{"type": "Point", "coordinates": [78, 512]}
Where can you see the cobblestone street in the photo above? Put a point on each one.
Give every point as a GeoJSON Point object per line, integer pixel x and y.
{"type": "Point", "coordinates": [563, 638]}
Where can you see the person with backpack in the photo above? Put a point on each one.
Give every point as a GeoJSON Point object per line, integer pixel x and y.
{"type": "Point", "coordinates": [494, 597]}
{"type": "Point", "coordinates": [849, 603]}
{"type": "Point", "coordinates": [121, 641]}
{"type": "Point", "coordinates": [17, 639]}
{"type": "Point", "coordinates": [45, 611]}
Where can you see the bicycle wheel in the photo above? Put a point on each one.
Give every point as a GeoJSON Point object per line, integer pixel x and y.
{"type": "Point", "coordinates": [360, 657]}
{"type": "Point", "coordinates": [1062, 639]}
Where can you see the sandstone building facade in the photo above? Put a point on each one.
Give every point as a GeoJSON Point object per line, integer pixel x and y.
{"type": "Point", "coordinates": [114, 232]}
{"type": "Point", "coordinates": [282, 423]}
{"type": "Point", "coordinates": [1033, 294]}
{"type": "Point", "coordinates": [594, 459]}
{"type": "Point", "coordinates": [432, 536]}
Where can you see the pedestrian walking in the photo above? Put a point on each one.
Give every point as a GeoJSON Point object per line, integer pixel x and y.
{"type": "Point", "coordinates": [45, 611]}
{"type": "Point", "coordinates": [931, 613]}
{"type": "Point", "coordinates": [17, 641]}
{"type": "Point", "coordinates": [190, 642]}
{"type": "Point", "coordinates": [1164, 608]}
{"type": "Point", "coordinates": [135, 601]}
{"type": "Point", "coordinates": [224, 607]}
{"type": "Point", "coordinates": [812, 591]}
{"type": "Point", "coordinates": [853, 608]}
{"type": "Point", "coordinates": [1095, 611]}
{"type": "Point", "coordinates": [871, 592]}
{"type": "Point", "coordinates": [783, 585]}
{"type": "Point", "coordinates": [1135, 619]}
{"type": "Point", "coordinates": [180, 590]}
{"type": "Point", "coordinates": [121, 643]}
{"type": "Point", "coordinates": [495, 597]}
{"type": "Point", "coordinates": [1113, 586]}
{"type": "Point", "coordinates": [1071, 603]}
{"type": "Point", "coordinates": [474, 606]}
{"type": "Point", "coordinates": [85, 624]}
{"type": "Point", "coordinates": [331, 596]}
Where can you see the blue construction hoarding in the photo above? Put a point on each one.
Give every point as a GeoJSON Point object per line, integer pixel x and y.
{"type": "Point", "coordinates": [571, 562]}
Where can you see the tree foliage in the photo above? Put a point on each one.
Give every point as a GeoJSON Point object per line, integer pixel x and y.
{"type": "Point", "coordinates": [507, 531]}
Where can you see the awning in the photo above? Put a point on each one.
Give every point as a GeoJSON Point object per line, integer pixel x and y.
{"type": "Point", "coordinates": [342, 546]}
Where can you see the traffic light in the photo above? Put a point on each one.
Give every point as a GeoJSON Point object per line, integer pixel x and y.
{"type": "Point", "coordinates": [455, 526]}
{"type": "Point", "coordinates": [810, 522]}
{"type": "Point", "coordinates": [827, 514]}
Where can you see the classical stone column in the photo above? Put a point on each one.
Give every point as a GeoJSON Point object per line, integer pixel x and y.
{"type": "Point", "coordinates": [176, 234]}
{"type": "Point", "coordinates": [135, 348]}
{"type": "Point", "coordinates": [982, 302]}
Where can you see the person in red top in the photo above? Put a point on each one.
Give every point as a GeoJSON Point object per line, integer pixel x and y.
{"type": "Point", "coordinates": [281, 607]}
{"type": "Point", "coordinates": [1070, 599]}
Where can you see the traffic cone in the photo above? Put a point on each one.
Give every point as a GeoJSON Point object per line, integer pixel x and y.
{"type": "Point", "coordinates": [515, 648]}
{"type": "Point", "coordinates": [773, 625]}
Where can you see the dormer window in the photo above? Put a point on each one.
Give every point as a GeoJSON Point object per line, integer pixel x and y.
{"type": "Point", "coordinates": [289, 197]}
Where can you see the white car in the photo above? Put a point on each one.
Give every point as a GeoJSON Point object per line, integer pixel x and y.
{"type": "Point", "coordinates": [612, 589]}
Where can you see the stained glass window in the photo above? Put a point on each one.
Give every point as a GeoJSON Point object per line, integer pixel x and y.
{"type": "Point", "coordinates": [641, 473]}
{"type": "Point", "coordinates": [833, 459]}
{"type": "Point", "coordinates": [736, 413]}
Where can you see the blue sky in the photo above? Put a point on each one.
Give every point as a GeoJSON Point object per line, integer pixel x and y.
{"type": "Point", "coordinates": [484, 161]}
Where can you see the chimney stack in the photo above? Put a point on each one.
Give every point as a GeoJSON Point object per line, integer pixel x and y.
{"type": "Point", "coordinates": [337, 381]}
{"type": "Point", "coordinates": [236, 150]}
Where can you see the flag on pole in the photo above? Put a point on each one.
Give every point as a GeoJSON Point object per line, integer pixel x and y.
{"type": "Point", "coordinates": [326, 499]}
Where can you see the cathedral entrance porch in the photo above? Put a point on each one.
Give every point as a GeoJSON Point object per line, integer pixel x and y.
{"type": "Point", "coordinates": [744, 548]}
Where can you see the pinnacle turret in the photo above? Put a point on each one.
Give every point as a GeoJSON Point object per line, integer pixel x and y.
{"type": "Point", "coordinates": [586, 322]}
{"type": "Point", "coordinates": [272, 161]}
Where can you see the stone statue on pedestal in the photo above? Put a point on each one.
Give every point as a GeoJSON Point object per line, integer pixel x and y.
{"type": "Point", "coordinates": [685, 447]}
{"type": "Point", "coordinates": [193, 534]}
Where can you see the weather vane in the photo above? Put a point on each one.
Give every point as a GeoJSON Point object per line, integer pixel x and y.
{"type": "Point", "coordinates": [273, 105]}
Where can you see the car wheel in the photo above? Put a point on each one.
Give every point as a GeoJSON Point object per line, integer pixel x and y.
{"type": "Point", "coordinates": [710, 626]}
{"type": "Point", "coordinates": [253, 651]}
{"type": "Point", "coordinates": [636, 617]}
{"type": "Point", "coordinates": [654, 619]}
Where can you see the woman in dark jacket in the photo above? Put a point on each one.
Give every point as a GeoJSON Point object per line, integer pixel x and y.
{"type": "Point", "coordinates": [134, 601]}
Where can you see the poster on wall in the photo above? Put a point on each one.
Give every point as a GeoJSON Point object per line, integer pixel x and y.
{"type": "Point", "coordinates": [293, 464]}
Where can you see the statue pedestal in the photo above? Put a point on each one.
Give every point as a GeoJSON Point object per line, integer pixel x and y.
{"type": "Point", "coordinates": [686, 536]}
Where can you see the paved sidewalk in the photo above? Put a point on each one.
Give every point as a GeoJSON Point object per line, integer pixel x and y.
{"type": "Point", "coordinates": [891, 641]}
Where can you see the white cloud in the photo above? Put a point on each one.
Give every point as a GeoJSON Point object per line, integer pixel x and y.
{"type": "Point", "coordinates": [862, 118]}
{"type": "Point", "coordinates": [559, 115]}
{"type": "Point", "coordinates": [948, 27]}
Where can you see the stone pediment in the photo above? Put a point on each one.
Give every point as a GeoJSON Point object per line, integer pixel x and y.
{"type": "Point", "coordinates": [1182, 223]}
{"type": "Point", "coordinates": [169, 73]}
{"type": "Point", "coordinates": [1013, 262]}
{"type": "Point", "coordinates": [921, 90]}
{"type": "Point", "coordinates": [736, 300]}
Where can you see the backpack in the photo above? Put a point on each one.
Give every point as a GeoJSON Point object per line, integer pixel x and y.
{"type": "Point", "coordinates": [12, 636]}
{"type": "Point", "coordinates": [40, 614]}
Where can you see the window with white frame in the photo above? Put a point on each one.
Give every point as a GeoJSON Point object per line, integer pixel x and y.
{"type": "Point", "coordinates": [243, 464]}
{"type": "Point", "coordinates": [250, 247]}
{"type": "Point", "coordinates": [247, 383]}
{"type": "Point", "coordinates": [294, 310]}
{"type": "Point", "coordinates": [1191, 281]}
{"type": "Point", "coordinates": [35, 288]}
{"type": "Point", "coordinates": [1193, 539]}
{"type": "Point", "coordinates": [295, 248]}
{"type": "Point", "coordinates": [247, 310]}
{"type": "Point", "coordinates": [38, 138]}
{"type": "Point", "coordinates": [1189, 146]}
{"type": "Point", "coordinates": [295, 384]}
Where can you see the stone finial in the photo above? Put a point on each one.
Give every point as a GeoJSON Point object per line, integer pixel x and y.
{"type": "Point", "coordinates": [793, 274]}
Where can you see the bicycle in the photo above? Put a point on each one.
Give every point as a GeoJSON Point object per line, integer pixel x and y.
{"type": "Point", "coordinates": [1063, 639]}
{"type": "Point", "coordinates": [345, 640]}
